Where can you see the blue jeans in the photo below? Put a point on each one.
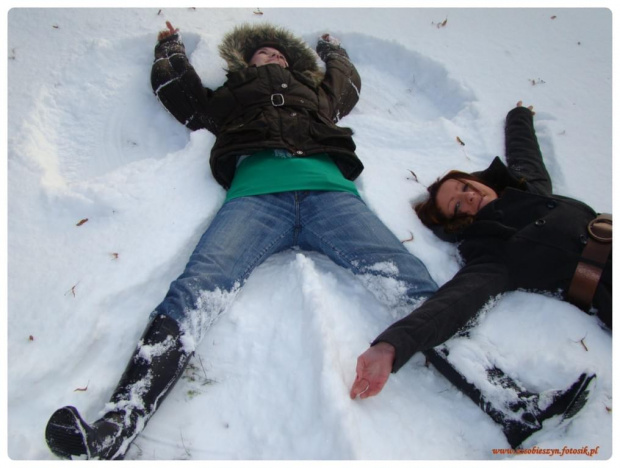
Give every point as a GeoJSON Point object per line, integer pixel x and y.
{"type": "Point", "coordinates": [246, 231]}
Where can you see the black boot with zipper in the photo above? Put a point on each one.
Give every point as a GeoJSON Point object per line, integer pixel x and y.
{"type": "Point", "coordinates": [155, 366]}
{"type": "Point", "coordinates": [518, 411]}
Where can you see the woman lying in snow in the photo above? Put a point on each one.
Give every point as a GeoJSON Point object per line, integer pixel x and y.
{"type": "Point", "coordinates": [514, 233]}
{"type": "Point", "coordinates": [288, 170]}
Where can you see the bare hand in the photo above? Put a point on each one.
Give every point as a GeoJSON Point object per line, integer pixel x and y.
{"type": "Point", "coordinates": [331, 39]}
{"type": "Point", "coordinates": [531, 108]}
{"type": "Point", "coordinates": [373, 370]}
{"type": "Point", "coordinates": [167, 32]}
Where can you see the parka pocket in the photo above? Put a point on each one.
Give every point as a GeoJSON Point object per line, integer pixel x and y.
{"type": "Point", "coordinates": [329, 135]}
{"type": "Point", "coordinates": [249, 128]}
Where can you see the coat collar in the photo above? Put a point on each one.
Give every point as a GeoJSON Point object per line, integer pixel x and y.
{"type": "Point", "coordinates": [499, 177]}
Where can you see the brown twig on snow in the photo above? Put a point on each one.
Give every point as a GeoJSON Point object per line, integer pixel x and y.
{"type": "Point", "coordinates": [408, 240]}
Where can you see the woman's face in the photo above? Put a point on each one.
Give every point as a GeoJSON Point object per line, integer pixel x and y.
{"type": "Point", "coordinates": [459, 197]}
{"type": "Point", "coordinates": [266, 55]}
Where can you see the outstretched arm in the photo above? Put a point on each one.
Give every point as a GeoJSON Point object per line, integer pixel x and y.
{"type": "Point", "coordinates": [449, 309]}
{"type": "Point", "coordinates": [437, 320]}
{"type": "Point", "coordinates": [176, 83]}
{"type": "Point", "coordinates": [342, 83]}
{"type": "Point", "coordinates": [523, 154]}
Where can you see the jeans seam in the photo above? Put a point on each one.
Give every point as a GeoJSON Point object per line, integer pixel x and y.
{"type": "Point", "coordinates": [339, 253]}
{"type": "Point", "coordinates": [258, 259]}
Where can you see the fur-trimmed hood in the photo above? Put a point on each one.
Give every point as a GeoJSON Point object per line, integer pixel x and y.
{"type": "Point", "coordinates": [245, 39]}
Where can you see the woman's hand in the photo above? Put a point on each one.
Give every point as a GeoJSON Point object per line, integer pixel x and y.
{"type": "Point", "coordinates": [327, 44]}
{"type": "Point", "coordinates": [167, 32]}
{"type": "Point", "coordinates": [531, 108]}
{"type": "Point", "coordinates": [331, 39]}
{"type": "Point", "coordinates": [373, 370]}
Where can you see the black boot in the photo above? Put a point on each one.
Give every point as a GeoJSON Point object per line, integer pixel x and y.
{"type": "Point", "coordinates": [527, 413]}
{"type": "Point", "coordinates": [154, 368]}
{"type": "Point", "coordinates": [520, 413]}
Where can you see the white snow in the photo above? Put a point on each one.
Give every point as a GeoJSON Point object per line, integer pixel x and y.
{"type": "Point", "coordinates": [87, 139]}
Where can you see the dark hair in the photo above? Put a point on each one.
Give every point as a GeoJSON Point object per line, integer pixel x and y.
{"type": "Point", "coordinates": [429, 212]}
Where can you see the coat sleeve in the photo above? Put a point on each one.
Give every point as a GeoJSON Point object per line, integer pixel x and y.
{"type": "Point", "coordinates": [447, 311]}
{"type": "Point", "coordinates": [342, 84]}
{"type": "Point", "coordinates": [178, 87]}
{"type": "Point", "coordinates": [523, 152]}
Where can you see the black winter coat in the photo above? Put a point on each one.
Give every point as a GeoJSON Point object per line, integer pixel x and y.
{"type": "Point", "coordinates": [262, 107]}
{"type": "Point", "coordinates": [527, 239]}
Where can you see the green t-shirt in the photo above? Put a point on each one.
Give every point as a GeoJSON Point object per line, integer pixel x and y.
{"type": "Point", "coordinates": [272, 171]}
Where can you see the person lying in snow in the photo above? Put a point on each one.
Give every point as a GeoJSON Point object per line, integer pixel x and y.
{"type": "Point", "coordinates": [514, 233]}
{"type": "Point", "coordinates": [288, 170]}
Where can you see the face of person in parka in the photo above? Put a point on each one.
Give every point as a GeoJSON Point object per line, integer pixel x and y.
{"type": "Point", "coordinates": [252, 45]}
{"type": "Point", "coordinates": [268, 55]}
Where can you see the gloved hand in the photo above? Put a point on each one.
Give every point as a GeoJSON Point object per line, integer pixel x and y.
{"type": "Point", "coordinates": [328, 44]}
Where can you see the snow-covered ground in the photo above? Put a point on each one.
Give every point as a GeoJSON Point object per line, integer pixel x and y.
{"type": "Point", "coordinates": [87, 140]}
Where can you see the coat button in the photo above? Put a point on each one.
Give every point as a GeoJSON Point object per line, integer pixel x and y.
{"type": "Point", "coordinates": [299, 152]}
{"type": "Point", "coordinates": [540, 222]}
{"type": "Point", "coordinates": [284, 85]}
{"type": "Point", "coordinates": [293, 114]}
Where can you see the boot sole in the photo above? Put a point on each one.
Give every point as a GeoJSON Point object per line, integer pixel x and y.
{"type": "Point", "coordinates": [580, 398]}
{"type": "Point", "coordinates": [65, 434]}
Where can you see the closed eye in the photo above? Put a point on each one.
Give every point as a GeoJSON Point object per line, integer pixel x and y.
{"type": "Point", "coordinates": [266, 52]}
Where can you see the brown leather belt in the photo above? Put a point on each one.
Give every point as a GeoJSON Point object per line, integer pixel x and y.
{"type": "Point", "coordinates": [594, 257]}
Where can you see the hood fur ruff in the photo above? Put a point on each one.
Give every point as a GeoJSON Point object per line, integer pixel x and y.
{"type": "Point", "coordinates": [247, 38]}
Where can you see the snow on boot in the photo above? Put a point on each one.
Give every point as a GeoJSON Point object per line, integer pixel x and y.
{"type": "Point", "coordinates": [520, 412]}
{"type": "Point", "coordinates": [564, 403]}
{"type": "Point", "coordinates": [155, 366]}
{"type": "Point", "coordinates": [569, 402]}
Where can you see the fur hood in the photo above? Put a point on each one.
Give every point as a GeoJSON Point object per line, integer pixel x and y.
{"type": "Point", "coordinates": [244, 40]}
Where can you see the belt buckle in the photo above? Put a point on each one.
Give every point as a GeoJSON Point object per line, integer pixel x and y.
{"type": "Point", "coordinates": [600, 229]}
{"type": "Point", "coordinates": [280, 102]}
